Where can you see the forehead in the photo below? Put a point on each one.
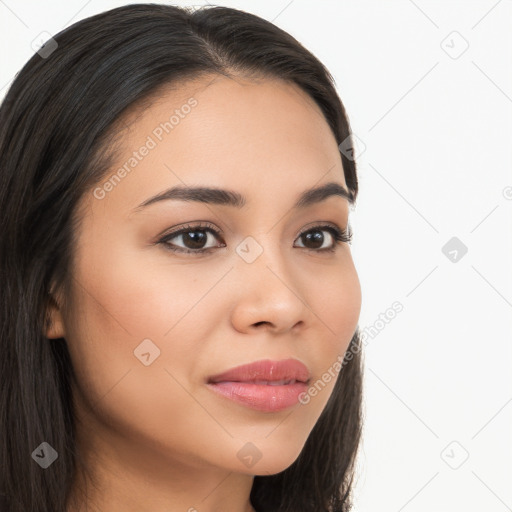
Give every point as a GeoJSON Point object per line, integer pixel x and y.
{"type": "Point", "coordinates": [263, 134]}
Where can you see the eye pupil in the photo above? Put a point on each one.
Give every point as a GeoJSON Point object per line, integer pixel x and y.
{"type": "Point", "coordinates": [316, 237]}
{"type": "Point", "coordinates": [197, 239]}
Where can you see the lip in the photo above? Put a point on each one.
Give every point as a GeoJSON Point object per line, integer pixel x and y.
{"type": "Point", "coordinates": [264, 385]}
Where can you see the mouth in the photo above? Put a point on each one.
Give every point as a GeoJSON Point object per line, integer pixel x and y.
{"type": "Point", "coordinates": [266, 386]}
{"type": "Point", "coordinates": [266, 372]}
{"type": "Point", "coordinates": [281, 382]}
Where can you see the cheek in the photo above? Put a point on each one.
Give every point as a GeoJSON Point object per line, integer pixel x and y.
{"type": "Point", "coordinates": [335, 301]}
{"type": "Point", "coordinates": [139, 294]}
{"type": "Point", "coordinates": [121, 301]}
{"type": "Point", "coordinates": [113, 316]}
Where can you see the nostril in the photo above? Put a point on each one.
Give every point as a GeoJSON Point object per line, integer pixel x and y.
{"type": "Point", "coordinates": [258, 323]}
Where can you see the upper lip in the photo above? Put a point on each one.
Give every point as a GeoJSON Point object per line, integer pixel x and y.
{"type": "Point", "coordinates": [265, 370]}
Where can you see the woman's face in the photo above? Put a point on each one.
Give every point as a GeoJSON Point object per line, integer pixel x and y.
{"type": "Point", "coordinates": [147, 327]}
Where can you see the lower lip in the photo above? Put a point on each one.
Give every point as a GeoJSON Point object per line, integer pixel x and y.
{"type": "Point", "coordinates": [262, 397]}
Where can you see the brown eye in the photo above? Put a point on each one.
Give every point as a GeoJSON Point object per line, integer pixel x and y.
{"type": "Point", "coordinates": [193, 239]}
{"type": "Point", "coordinates": [314, 238]}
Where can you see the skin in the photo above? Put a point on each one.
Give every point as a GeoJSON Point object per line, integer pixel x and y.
{"type": "Point", "coordinates": [156, 438]}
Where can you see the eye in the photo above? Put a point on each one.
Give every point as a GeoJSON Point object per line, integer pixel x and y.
{"type": "Point", "coordinates": [314, 236]}
{"type": "Point", "coordinates": [195, 238]}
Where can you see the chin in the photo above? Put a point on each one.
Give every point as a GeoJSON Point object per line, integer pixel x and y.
{"type": "Point", "coordinates": [270, 459]}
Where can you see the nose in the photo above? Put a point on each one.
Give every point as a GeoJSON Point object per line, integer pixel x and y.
{"type": "Point", "coordinates": [268, 295]}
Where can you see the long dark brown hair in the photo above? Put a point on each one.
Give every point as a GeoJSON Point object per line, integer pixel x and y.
{"type": "Point", "coordinates": [57, 123]}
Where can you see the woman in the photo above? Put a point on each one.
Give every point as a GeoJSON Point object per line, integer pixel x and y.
{"type": "Point", "coordinates": [179, 321]}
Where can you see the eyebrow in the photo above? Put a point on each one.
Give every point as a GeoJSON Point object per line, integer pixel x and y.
{"type": "Point", "coordinates": [220, 196]}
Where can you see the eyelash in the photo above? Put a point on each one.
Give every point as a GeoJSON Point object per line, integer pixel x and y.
{"type": "Point", "coordinates": [338, 235]}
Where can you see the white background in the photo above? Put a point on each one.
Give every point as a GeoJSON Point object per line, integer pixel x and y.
{"type": "Point", "coordinates": [435, 161]}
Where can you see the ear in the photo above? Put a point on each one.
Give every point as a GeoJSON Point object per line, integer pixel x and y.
{"type": "Point", "coordinates": [54, 325]}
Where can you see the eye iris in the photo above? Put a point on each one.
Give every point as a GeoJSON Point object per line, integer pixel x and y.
{"type": "Point", "coordinates": [196, 239]}
{"type": "Point", "coordinates": [316, 237]}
